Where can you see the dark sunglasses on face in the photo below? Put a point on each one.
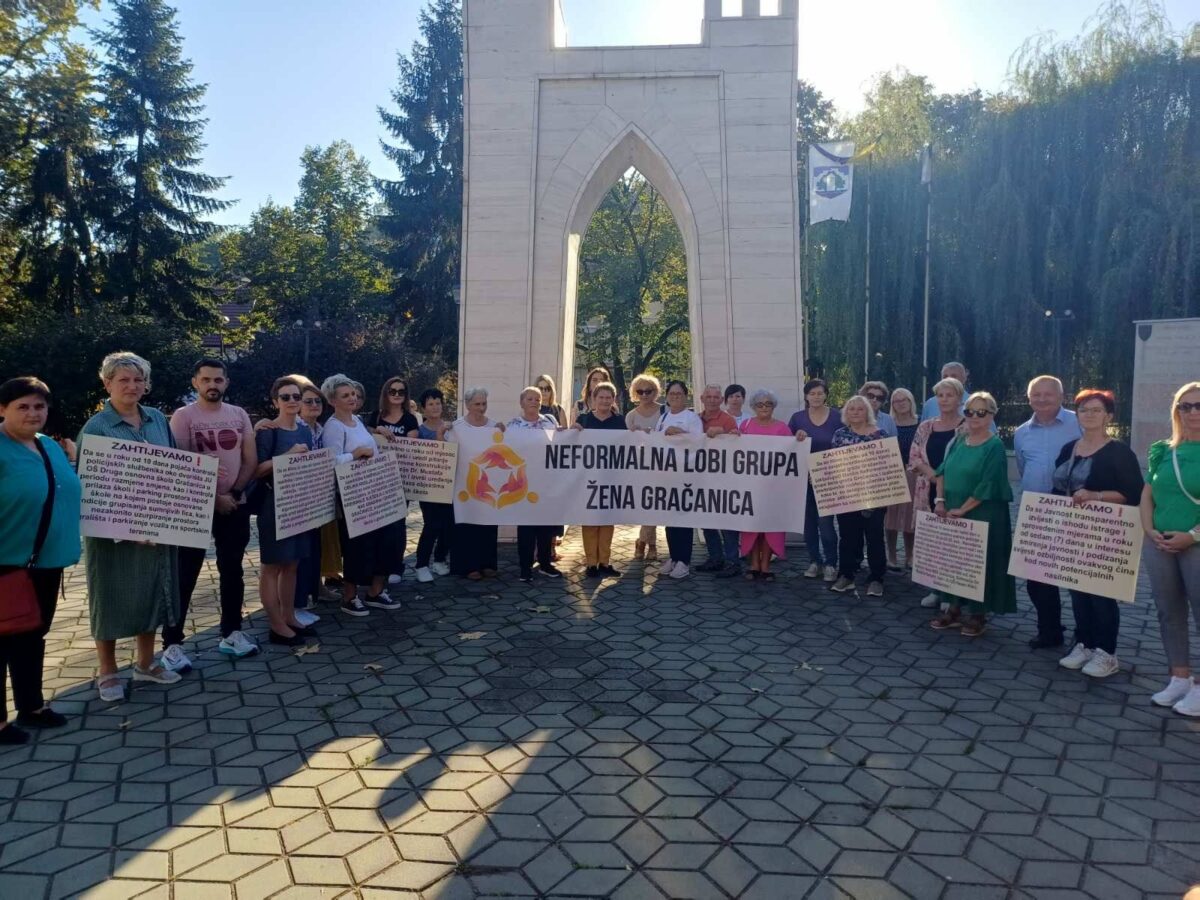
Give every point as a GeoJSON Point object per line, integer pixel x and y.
{"type": "Point", "coordinates": [396, 392]}
{"type": "Point", "coordinates": [878, 398]}
{"type": "Point", "coordinates": [312, 401]}
{"type": "Point", "coordinates": [645, 392]}
{"type": "Point", "coordinates": [544, 388]}
{"type": "Point", "coordinates": [1187, 407]}
{"type": "Point", "coordinates": [288, 398]}
{"type": "Point", "coordinates": [977, 413]}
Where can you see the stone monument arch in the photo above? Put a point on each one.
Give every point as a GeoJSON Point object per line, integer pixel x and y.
{"type": "Point", "coordinates": [548, 131]}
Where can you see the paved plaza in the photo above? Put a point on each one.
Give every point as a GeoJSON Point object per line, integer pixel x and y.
{"type": "Point", "coordinates": [634, 738]}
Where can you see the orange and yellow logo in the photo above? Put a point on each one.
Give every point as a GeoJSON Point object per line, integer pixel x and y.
{"type": "Point", "coordinates": [497, 477]}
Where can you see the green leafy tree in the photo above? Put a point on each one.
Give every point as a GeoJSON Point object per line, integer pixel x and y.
{"type": "Point", "coordinates": [154, 123]}
{"type": "Point", "coordinates": [422, 217]}
{"type": "Point", "coordinates": [632, 293]}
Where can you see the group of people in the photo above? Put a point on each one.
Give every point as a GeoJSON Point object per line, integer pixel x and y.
{"type": "Point", "coordinates": [953, 458]}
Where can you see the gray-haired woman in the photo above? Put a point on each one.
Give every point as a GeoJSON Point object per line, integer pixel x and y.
{"type": "Point", "coordinates": [474, 554]}
{"type": "Point", "coordinates": [132, 586]}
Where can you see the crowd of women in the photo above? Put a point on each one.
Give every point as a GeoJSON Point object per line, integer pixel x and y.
{"type": "Point", "coordinates": [956, 465]}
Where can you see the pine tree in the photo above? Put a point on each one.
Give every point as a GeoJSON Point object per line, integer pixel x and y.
{"type": "Point", "coordinates": [423, 206]}
{"type": "Point", "coordinates": [153, 120]}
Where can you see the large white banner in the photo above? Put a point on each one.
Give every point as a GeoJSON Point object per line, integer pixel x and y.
{"type": "Point", "coordinates": [372, 493]}
{"type": "Point", "coordinates": [528, 477]}
{"type": "Point", "coordinates": [1095, 548]}
{"type": "Point", "coordinates": [830, 181]}
{"type": "Point", "coordinates": [305, 491]}
{"type": "Point", "coordinates": [143, 492]}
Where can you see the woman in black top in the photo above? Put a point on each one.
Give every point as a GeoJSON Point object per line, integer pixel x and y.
{"type": "Point", "coordinates": [1096, 469]}
{"type": "Point", "coordinates": [550, 405]}
{"type": "Point", "coordinates": [394, 420]}
{"type": "Point", "coordinates": [597, 539]}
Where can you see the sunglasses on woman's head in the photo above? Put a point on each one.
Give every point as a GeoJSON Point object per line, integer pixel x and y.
{"type": "Point", "coordinates": [288, 398]}
{"type": "Point", "coordinates": [1187, 407]}
{"type": "Point", "coordinates": [977, 413]}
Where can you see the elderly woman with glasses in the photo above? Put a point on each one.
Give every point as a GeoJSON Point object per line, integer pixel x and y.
{"type": "Point", "coordinates": [972, 483]}
{"type": "Point", "coordinates": [876, 393]}
{"type": "Point", "coordinates": [474, 554]}
{"type": "Point", "coordinates": [644, 416]}
{"type": "Point", "coordinates": [863, 526]}
{"type": "Point", "coordinates": [759, 546]}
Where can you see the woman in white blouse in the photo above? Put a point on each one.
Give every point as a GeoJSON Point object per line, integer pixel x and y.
{"type": "Point", "coordinates": [473, 552]}
{"type": "Point", "coordinates": [678, 419]}
{"type": "Point", "coordinates": [366, 558]}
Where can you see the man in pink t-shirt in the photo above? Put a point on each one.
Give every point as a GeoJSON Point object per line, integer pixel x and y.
{"type": "Point", "coordinates": [215, 428]}
{"type": "Point", "coordinates": [722, 546]}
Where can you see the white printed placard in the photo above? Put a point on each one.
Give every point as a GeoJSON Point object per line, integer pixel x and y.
{"type": "Point", "coordinates": [134, 491]}
{"type": "Point", "coordinates": [426, 468]}
{"type": "Point", "coordinates": [1095, 548]}
{"type": "Point", "coordinates": [951, 555]}
{"type": "Point", "coordinates": [305, 491]}
{"type": "Point", "coordinates": [372, 493]}
{"type": "Point", "coordinates": [861, 476]}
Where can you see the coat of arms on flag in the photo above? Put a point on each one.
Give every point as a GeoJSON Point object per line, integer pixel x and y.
{"type": "Point", "coordinates": [830, 180]}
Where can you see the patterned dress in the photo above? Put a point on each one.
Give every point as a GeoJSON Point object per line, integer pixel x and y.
{"type": "Point", "coordinates": [132, 587]}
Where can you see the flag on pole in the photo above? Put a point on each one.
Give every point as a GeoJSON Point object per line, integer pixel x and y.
{"type": "Point", "coordinates": [830, 181]}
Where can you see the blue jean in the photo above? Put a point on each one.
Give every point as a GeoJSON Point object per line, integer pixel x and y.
{"type": "Point", "coordinates": [820, 535]}
{"type": "Point", "coordinates": [722, 546]}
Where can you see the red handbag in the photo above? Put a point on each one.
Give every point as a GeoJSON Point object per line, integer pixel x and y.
{"type": "Point", "coordinates": [19, 610]}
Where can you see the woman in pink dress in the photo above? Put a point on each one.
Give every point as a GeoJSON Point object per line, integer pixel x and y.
{"type": "Point", "coordinates": [759, 546]}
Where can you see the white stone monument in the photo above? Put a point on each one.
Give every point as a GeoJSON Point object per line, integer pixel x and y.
{"type": "Point", "coordinates": [549, 129]}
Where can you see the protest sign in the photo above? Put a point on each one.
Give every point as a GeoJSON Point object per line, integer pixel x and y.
{"type": "Point", "coordinates": [426, 468]}
{"type": "Point", "coordinates": [534, 477]}
{"type": "Point", "coordinates": [860, 476]}
{"type": "Point", "coordinates": [134, 491]}
{"type": "Point", "coordinates": [305, 492]}
{"type": "Point", "coordinates": [951, 555]}
{"type": "Point", "coordinates": [1095, 548]}
{"type": "Point", "coordinates": [372, 493]}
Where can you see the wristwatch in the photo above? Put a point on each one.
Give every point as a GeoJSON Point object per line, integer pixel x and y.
{"type": "Point", "coordinates": [1195, 533]}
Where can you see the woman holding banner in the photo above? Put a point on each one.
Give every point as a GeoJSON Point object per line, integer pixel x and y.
{"type": "Point", "coordinates": [929, 444]}
{"type": "Point", "coordinates": [597, 539]}
{"type": "Point", "coordinates": [759, 546]}
{"type": "Point", "coordinates": [367, 558]}
{"type": "Point", "coordinates": [132, 587]}
{"type": "Point", "coordinates": [972, 483]}
{"type": "Point", "coordinates": [1171, 518]}
{"type": "Point", "coordinates": [864, 526]}
{"type": "Point", "coordinates": [899, 518]}
{"type": "Point", "coordinates": [280, 557]}
{"type": "Point", "coordinates": [1096, 469]}
{"type": "Point", "coordinates": [644, 416]}
{"type": "Point", "coordinates": [678, 419]}
{"type": "Point", "coordinates": [535, 537]}
{"type": "Point", "coordinates": [39, 537]}
{"type": "Point", "coordinates": [820, 422]}
{"type": "Point", "coordinates": [474, 555]}
{"type": "Point", "coordinates": [437, 528]}
{"type": "Point", "coordinates": [308, 575]}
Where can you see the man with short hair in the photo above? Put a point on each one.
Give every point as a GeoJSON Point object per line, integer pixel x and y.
{"type": "Point", "coordinates": [215, 428]}
{"type": "Point", "coordinates": [1037, 444]}
{"type": "Point", "coordinates": [722, 546]}
{"type": "Point", "coordinates": [876, 393]}
{"type": "Point", "coordinates": [929, 410]}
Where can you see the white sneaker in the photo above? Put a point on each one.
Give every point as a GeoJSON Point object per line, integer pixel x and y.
{"type": "Point", "coordinates": [307, 618]}
{"type": "Point", "coordinates": [1177, 688]}
{"type": "Point", "coordinates": [1077, 658]}
{"type": "Point", "coordinates": [1102, 664]}
{"type": "Point", "coordinates": [1190, 704]}
{"type": "Point", "coordinates": [831, 573]}
{"type": "Point", "coordinates": [667, 567]}
{"type": "Point", "coordinates": [237, 644]}
{"type": "Point", "coordinates": [813, 571]}
{"type": "Point", "coordinates": [440, 568]}
{"type": "Point", "coordinates": [394, 580]}
{"type": "Point", "coordinates": [680, 571]}
{"type": "Point", "coordinates": [424, 575]}
{"type": "Point", "coordinates": [157, 674]}
{"type": "Point", "coordinates": [175, 660]}
{"type": "Point", "coordinates": [930, 600]}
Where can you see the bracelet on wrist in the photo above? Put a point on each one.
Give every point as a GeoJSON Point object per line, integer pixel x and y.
{"type": "Point", "coordinates": [939, 500]}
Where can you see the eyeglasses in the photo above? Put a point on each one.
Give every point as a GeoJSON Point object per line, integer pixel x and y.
{"type": "Point", "coordinates": [763, 404]}
{"type": "Point", "coordinates": [1093, 410]}
{"type": "Point", "coordinates": [287, 398]}
{"type": "Point", "coordinates": [977, 413]}
{"type": "Point", "coordinates": [544, 388]}
{"type": "Point", "coordinates": [1187, 407]}
{"type": "Point", "coordinates": [312, 401]}
{"type": "Point", "coordinates": [396, 392]}
{"type": "Point", "coordinates": [645, 392]}
{"type": "Point", "coordinates": [878, 398]}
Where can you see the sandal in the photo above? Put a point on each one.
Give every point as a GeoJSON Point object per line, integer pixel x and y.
{"type": "Point", "coordinates": [951, 618]}
{"type": "Point", "coordinates": [111, 688]}
{"type": "Point", "coordinates": [156, 674]}
{"type": "Point", "coordinates": [974, 626]}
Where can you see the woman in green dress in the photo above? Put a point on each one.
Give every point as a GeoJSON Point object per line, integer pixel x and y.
{"type": "Point", "coordinates": [972, 483]}
{"type": "Point", "coordinates": [132, 587]}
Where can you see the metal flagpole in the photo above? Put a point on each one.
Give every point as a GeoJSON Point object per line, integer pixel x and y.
{"type": "Point", "coordinates": [867, 285]}
{"type": "Point", "coordinates": [805, 280]}
{"type": "Point", "coordinates": [927, 177]}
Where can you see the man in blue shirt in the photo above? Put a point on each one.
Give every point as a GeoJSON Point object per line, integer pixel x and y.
{"type": "Point", "coordinates": [929, 410]}
{"type": "Point", "coordinates": [1037, 444]}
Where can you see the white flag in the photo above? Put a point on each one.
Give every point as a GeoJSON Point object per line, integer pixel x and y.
{"type": "Point", "coordinates": [830, 181]}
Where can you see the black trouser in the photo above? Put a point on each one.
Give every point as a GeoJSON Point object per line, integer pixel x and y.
{"type": "Point", "coordinates": [231, 534]}
{"type": "Point", "coordinates": [308, 572]}
{"type": "Point", "coordinates": [679, 543]}
{"type": "Point", "coordinates": [474, 548]}
{"type": "Point", "coordinates": [1097, 621]}
{"type": "Point", "coordinates": [436, 533]}
{"type": "Point", "coordinates": [1048, 603]}
{"type": "Point", "coordinates": [853, 530]}
{"type": "Point", "coordinates": [539, 537]}
{"type": "Point", "coordinates": [21, 655]}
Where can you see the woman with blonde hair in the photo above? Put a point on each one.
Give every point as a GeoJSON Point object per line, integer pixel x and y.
{"type": "Point", "coordinates": [644, 391]}
{"type": "Point", "coordinates": [863, 527]}
{"type": "Point", "coordinates": [550, 406]}
{"type": "Point", "coordinates": [899, 518]}
{"type": "Point", "coordinates": [1171, 517]}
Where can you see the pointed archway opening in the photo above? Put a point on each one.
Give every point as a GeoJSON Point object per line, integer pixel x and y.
{"type": "Point", "coordinates": [632, 289]}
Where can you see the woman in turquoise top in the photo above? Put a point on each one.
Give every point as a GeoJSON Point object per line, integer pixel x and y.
{"type": "Point", "coordinates": [25, 487]}
{"type": "Point", "coordinates": [132, 587]}
{"type": "Point", "coordinates": [1171, 518]}
{"type": "Point", "coordinates": [972, 483]}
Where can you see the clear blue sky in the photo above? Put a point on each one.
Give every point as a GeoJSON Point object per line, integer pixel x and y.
{"type": "Point", "coordinates": [285, 74]}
